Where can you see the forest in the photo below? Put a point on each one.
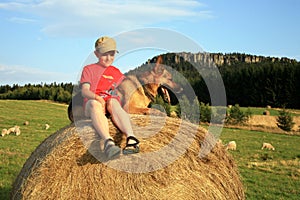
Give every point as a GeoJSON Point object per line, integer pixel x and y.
{"type": "Point", "coordinates": [59, 92]}
{"type": "Point", "coordinates": [257, 83]}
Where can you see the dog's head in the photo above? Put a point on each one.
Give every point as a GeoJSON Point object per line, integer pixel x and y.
{"type": "Point", "coordinates": [160, 76]}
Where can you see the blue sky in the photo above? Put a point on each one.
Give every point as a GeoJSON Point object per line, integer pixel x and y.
{"type": "Point", "coordinates": [51, 40]}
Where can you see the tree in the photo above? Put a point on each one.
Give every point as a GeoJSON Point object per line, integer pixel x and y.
{"type": "Point", "coordinates": [285, 120]}
{"type": "Point", "coordinates": [236, 116]}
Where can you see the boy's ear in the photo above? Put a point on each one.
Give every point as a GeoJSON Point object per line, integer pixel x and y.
{"type": "Point", "coordinates": [96, 53]}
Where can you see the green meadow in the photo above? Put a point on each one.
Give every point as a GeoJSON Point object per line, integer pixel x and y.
{"type": "Point", "coordinates": [265, 174]}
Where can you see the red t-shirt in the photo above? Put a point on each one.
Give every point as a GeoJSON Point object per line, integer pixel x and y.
{"type": "Point", "coordinates": [102, 80]}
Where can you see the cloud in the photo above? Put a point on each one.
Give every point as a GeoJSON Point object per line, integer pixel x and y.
{"type": "Point", "coordinates": [89, 17]}
{"type": "Point", "coordinates": [22, 20]}
{"type": "Point", "coordinates": [22, 75]}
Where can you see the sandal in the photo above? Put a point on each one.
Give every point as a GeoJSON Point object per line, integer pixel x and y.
{"type": "Point", "coordinates": [111, 150]}
{"type": "Point", "coordinates": [131, 148]}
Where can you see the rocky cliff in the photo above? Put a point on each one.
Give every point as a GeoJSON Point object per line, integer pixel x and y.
{"type": "Point", "coordinates": [220, 59]}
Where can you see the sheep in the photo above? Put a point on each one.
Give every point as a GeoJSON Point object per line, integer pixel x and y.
{"type": "Point", "coordinates": [267, 146]}
{"type": "Point", "coordinates": [26, 123]}
{"type": "Point", "coordinates": [47, 126]}
{"type": "Point", "coordinates": [231, 145]}
{"type": "Point", "coordinates": [4, 132]}
{"type": "Point", "coordinates": [15, 130]}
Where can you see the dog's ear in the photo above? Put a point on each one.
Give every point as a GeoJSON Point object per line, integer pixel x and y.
{"type": "Point", "coordinates": [158, 68]}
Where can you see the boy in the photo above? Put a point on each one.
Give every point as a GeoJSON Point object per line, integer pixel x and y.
{"type": "Point", "coordinates": [98, 82]}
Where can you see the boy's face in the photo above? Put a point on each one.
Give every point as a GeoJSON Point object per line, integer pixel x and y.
{"type": "Point", "coordinates": [106, 59]}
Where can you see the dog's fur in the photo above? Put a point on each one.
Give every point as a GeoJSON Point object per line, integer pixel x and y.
{"type": "Point", "coordinates": [136, 91]}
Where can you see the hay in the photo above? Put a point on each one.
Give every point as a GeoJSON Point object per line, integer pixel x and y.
{"type": "Point", "coordinates": [268, 123]}
{"type": "Point", "coordinates": [168, 166]}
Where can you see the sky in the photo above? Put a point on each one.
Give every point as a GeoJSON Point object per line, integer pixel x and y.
{"type": "Point", "coordinates": [46, 41]}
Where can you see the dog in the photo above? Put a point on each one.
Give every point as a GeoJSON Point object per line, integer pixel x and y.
{"type": "Point", "coordinates": [140, 88]}
{"type": "Point", "coordinates": [137, 91]}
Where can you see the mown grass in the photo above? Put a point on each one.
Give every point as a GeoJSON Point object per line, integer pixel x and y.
{"type": "Point", "coordinates": [265, 174]}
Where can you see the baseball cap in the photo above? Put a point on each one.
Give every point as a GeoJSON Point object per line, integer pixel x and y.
{"type": "Point", "coordinates": [105, 44]}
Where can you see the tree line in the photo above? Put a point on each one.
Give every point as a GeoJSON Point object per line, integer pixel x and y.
{"type": "Point", "coordinates": [59, 92]}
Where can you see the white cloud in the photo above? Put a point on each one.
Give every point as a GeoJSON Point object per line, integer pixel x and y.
{"type": "Point", "coordinates": [82, 17]}
{"type": "Point", "coordinates": [22, 20]}
{"type": "Point", "coordinates": [23, 75]}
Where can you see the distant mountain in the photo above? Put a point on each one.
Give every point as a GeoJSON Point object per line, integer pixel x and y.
{"type": "Point", "coordinates": [220, 59]}
{"type": "Point", "coordinates": [228, 59]}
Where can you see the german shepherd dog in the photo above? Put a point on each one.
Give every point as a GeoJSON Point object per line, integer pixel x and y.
{"type": "Point", "coordinates": [136, 91]}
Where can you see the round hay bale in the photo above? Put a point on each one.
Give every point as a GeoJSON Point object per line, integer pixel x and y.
{"type": "Point", "coordinates": [70, 165]}
{"type": "Point", "coordinates": [266, 112]}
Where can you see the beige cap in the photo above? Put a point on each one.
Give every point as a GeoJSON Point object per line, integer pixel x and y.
{"type": "Point", "coordinates": [105, 44]}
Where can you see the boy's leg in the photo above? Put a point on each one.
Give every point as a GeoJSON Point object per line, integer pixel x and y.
{"type": "Point", "coordinates": [119, 116]}
{"type": "Point", "coordinates": [121, 119]}
{"type": "Point", "coordinates": [94, 110]}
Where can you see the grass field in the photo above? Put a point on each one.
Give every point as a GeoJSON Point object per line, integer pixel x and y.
{"type": "Point", "coordinates": [14, 150]}
{"type": "Point", "coordinates": [265, 174]}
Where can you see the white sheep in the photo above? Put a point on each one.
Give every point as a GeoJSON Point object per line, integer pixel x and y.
{"type": "Point", "coordinates": [267, 146]}
{"type": "Point", "coordinates": [4, 132]}
{"type": "Point", "coordinates": [15, 130]}
{"type": "Point", "coordinates": [231, 145]}
{"type": "Point", "coordinates": [47, 126]}
{"type": "Point", "coordinates": [11, 130]}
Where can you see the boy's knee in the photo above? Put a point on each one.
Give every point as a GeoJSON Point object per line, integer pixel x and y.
{"type": "Point", "coordinates": [112, 103]}
{"type": "Point", "coordinates": [93, 104]}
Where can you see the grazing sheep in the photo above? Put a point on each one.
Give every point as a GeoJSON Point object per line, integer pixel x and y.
{"type": "Point", "coordinates": [267, 146]}
{"type": "Point", "coordinates": [26, 123]}
{"type": "Point", "coordinates": [11, 130]}
{"type": "Point", "coordinates": [231, 145]}
{"type": "Point", "coordinates": [15, 130]}
{"type": "Point", "coordinates": [47, 126]}
{"type": "Point", "coordinates": [4, 132]}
